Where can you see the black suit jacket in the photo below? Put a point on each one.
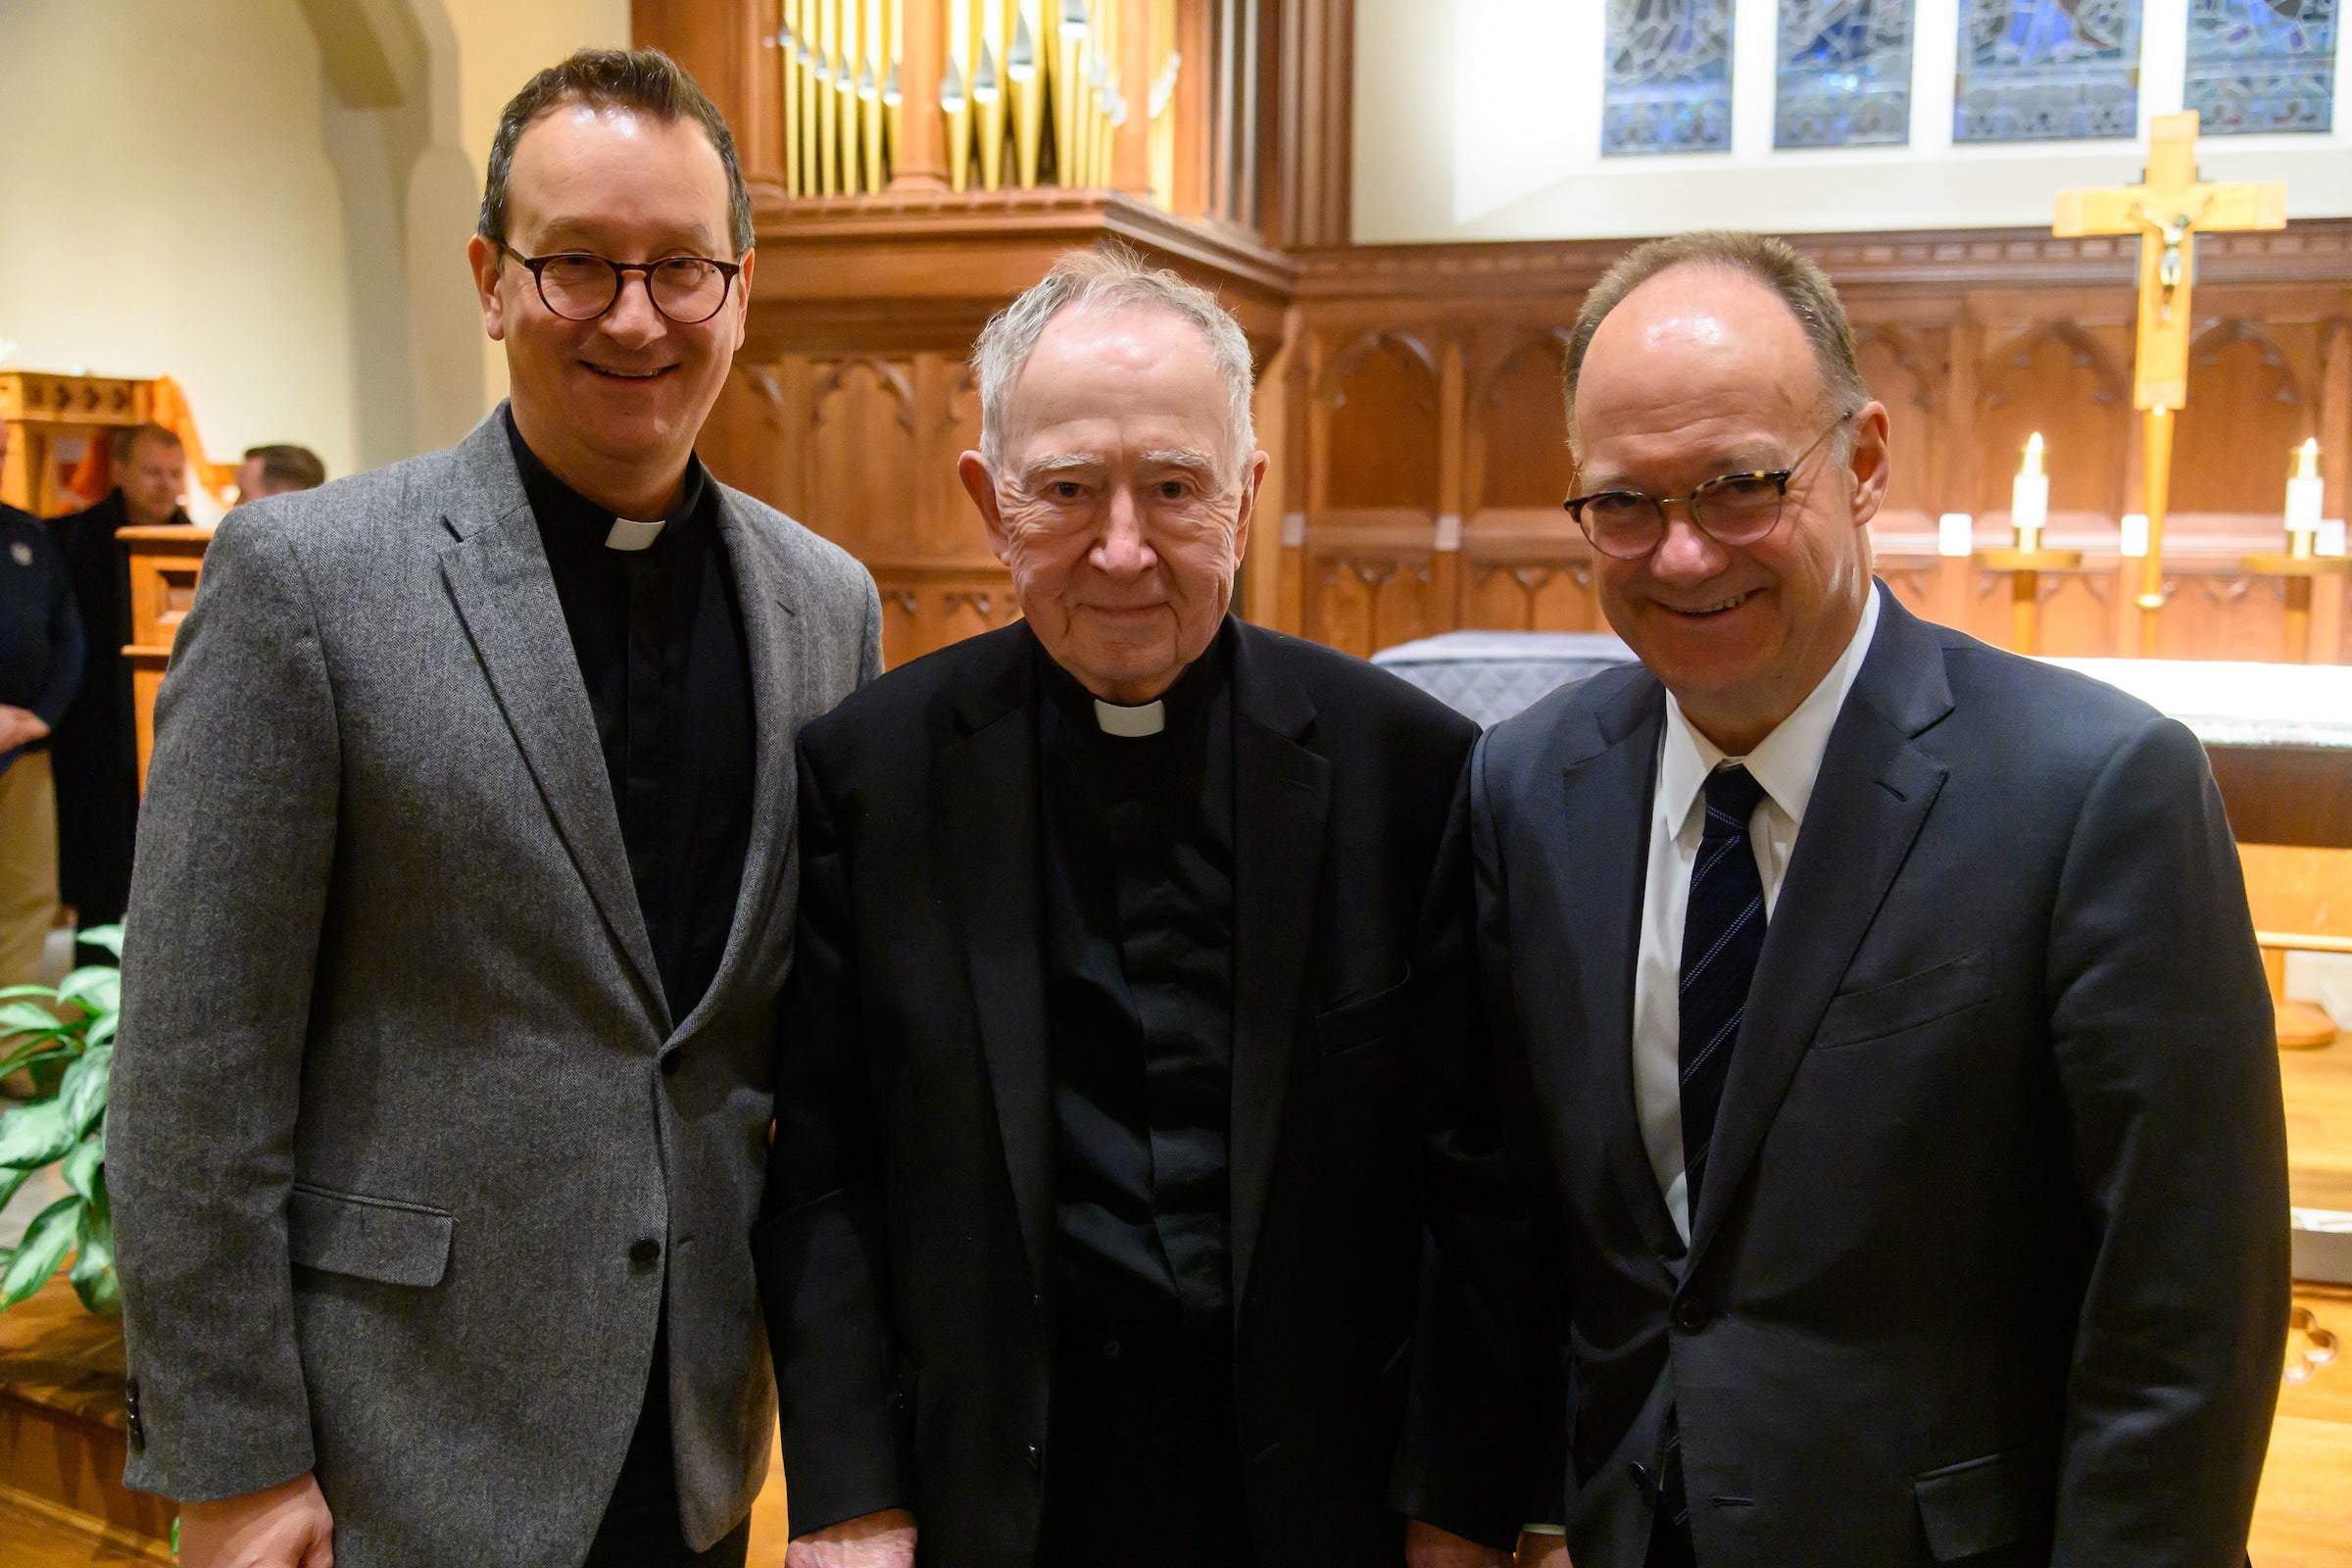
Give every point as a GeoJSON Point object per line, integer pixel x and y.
{"type": "Point", "coordinates": [1993, 1253]}
{"type": "Point", "coordinates": [906, 1265]}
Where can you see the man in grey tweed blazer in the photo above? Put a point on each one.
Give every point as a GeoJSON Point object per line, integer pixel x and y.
{"type": "Point", "coordinates": [465, 890]}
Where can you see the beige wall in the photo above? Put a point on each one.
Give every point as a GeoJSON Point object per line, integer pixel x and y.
{"type": "Point", "coordinates": [186, 191]}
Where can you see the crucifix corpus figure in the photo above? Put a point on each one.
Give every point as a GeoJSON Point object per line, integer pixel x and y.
{"type": "Point", "coordinates": [2168, 208]}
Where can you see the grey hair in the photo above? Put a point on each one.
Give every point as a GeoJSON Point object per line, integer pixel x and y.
{"type": "Point", "coordinates": [1800, 282]}
{"type": "Point", "coordinates": [1110, 278]}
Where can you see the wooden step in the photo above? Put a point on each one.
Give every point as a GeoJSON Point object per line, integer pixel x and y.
{"type": "Point", "coordinates": [63, 1437]}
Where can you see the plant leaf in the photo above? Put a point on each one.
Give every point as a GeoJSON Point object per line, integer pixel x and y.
{"type": "Point", "coordinates": [28, 1018]}
{"type": "Point", "coordinates": [13, 1177]}
{"type": "Point", "coordinates": [81, 1092]}
{"type": "Point", "coordinates": [95, 989]}
{"type": "Point", "coordinates": [46, 1241]}
{"type": "Point", "coordinates": [102, 1029]}
{"type": "Point", "coordinates": [38, 1054]}
{"type": "Point", "coordinates": [82, 1164]}
{"type": "Point", "coordinates": [109, 936]}
{"type": "Point", "coordinates": [36, 1135]}
{"type": "Point", "coordinates": [21, 992]}
{"type": "Point", "coordinates": [93, 1275]}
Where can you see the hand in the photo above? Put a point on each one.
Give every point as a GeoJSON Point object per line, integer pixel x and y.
{"type": "Point", "coordinates": [884, 1539]}
{"type": "Point", "coordinates": [1428, 1547]}
{"type": "Point", "coordinates": [1542, 1551]}
{"type": "Point", "coordinates": [20, 726]}
{"type": "Point", "coordinates": [286, 1527]}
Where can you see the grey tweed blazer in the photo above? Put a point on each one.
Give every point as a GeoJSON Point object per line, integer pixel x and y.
{"type": "Point", "coordinates": [405, 1148]}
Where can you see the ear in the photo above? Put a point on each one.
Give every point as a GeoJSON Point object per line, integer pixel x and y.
{"type": "Point", "coordinates": [980, 483]}
{"type": "Point", "coordinates": [485, 258]}
{"type": "Point", "coordinates": [1871, 464]}
{"type": "Point", "coordinates": [742, 302]}
{"type": "Point", "coordinates": [1253, 476]}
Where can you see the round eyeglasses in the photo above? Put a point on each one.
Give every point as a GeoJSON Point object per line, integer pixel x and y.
{"type": "Point", "coordinates": [1735, 509]}
{"type": "Point", "coordinates": [581, 287]}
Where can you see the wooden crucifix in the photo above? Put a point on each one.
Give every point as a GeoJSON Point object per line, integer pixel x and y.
{"type": "Point", "coordinates": [2166, 210]}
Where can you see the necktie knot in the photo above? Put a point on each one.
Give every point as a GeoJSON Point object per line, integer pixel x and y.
{"type": "Point", "coordinates": [1732, 795]}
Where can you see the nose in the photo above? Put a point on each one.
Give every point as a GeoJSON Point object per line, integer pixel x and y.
{"type": "Point", "coordinates": [1121, 551]}
{"type": "Point", "coordinates": [633, 318]}
{"type": "Point", "coordinates": [1687, 554]}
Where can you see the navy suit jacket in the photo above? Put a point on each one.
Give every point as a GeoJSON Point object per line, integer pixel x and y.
{"type": "Point", "coordinates": [1991, 1260]}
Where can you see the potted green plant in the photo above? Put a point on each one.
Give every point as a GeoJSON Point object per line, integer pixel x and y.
{"type": "Point", "coordinates": [63, 1041]}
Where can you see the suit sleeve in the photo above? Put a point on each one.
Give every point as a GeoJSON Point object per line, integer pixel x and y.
{"type": "Point", "coordinates": [869, 650]}
{"type": "Point", "coordinates": [820, 1248]}
{"type": "Point", "coordinates": [236, 841]}
{"type": "Point", "coordinates": [66, 644]}
{"type": "Point", "coordinates": [1544, 1279]}
{"type": "Point", "coordinates": [2162, 1032]}
{"type": "Point", "coordinates": [1472, 1408]}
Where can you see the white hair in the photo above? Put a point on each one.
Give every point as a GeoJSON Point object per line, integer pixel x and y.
{"type": "Point", "coordinates": [1111, 277]}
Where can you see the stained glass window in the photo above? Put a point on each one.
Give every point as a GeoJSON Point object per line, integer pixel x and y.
{"type": "Point", "coordinates": [2262, 65]}
{"type": "Point", "coordinates": [1844, 74]}
{"type": "Point", "coordinates": [1669, 83]}
{"type": "Point", "coordinates": [2047, 69]}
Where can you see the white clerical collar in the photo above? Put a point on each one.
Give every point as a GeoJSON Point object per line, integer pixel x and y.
{"type": "Point", "coordinates": [1131, 723]}
{"type": "Point", "coordinates": [629, 535]}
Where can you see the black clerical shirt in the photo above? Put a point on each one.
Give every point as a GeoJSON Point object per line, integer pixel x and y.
{"type": "Point", "coordinates": [659, 634]}
{"type": "Point", "coordinates": [1138, 880]}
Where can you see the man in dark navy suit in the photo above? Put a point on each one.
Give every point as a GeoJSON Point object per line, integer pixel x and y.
{"type": "Point", "coordinates": [1879, 1014]}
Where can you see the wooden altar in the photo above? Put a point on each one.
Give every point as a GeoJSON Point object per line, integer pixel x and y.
{"type": "Point", "coordinates": [50, 419]}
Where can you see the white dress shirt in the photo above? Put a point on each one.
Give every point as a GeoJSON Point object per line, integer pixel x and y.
{"type": "Point", "coordinates": [1786, 763]}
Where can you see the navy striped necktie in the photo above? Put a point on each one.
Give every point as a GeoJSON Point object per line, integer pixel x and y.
{"type": "Point", "coordinates": [1723, 932]}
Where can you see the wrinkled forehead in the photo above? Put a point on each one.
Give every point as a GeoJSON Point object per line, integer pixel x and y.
{"type": "Point", "coordinates": [1697, 333]}
{"type": "Point", "coordinates": [1137, 376]}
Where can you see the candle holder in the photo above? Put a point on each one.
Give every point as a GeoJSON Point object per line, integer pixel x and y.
{"type": "Point", "coordinates": [2026, 560]}
{"type": "Point", "coordinates": [2302, 564]}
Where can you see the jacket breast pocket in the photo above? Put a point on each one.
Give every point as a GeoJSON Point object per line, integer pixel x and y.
{"type": "Point", "coordinates": [1975, 1506]}
{"type": "Point", "coordinates": [368, 1237]}
{"type": "Point", "coordinates": [1876, 1011]}
{"type": "Point", "coordinates": [1368, 1021]}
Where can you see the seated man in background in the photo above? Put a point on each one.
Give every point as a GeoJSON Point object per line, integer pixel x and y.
{"type": "Point", "coordinates": [1131, 1060]}
{"type": "Point", "coordinates": [1879, 1014]}
{"type": "Point", "coordinates": [276, 470]}
{"type": "Point", "coordinates": [96, 750]}
{"type": "Point", "coordinates": [40, 668]}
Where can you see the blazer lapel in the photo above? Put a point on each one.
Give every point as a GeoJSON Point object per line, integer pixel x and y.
{"type": "Point", "coordinates": [498, 575]}
{"type": "Point", "coordinates": [988, 810]}
{"type": "Point", "coordinates": [1875, 790]}
{"type": "Point", "coordinates": [1601, 841]}
{"type": "Point", "coordinates": [781, 696]}
{"type": "Point", "coordinates": [1281, 793]}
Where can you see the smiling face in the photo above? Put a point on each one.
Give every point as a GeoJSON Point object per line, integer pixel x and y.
{"type": "Point", "coordinates": [612, 405]}
{"type": "Point", "coordinates": [1122, 509]}
{"type": "Point", "coordinates": [1700, 373]}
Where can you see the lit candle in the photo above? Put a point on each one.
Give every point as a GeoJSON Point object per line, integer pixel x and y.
{"type": "Point", "coordinates": [2030, 497]}
{"type": "Point", "coordinates": [2303, 494]}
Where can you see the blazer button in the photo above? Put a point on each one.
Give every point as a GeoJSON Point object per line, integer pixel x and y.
{"type": "Point", "coordinates": [1037, 1457]}
{"type": "Point", "coordinates": [1640, 1474]}
{"type": "Point", "coordinates": [644, 1253]}
{"type": "Point", "coordinates": [136, 1432]}
{"type": "Point", "coordinates": [1690, 1315]}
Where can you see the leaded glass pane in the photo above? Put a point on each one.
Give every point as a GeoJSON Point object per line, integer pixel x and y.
{"type": "Point", "coordinates": [1669, 84]}
{"type": "Point", "coordinates": [2262, 65]}
{"type": "Point", "coordinates": [2047, 69]}
{"type": "Point", "coordinates": [1844, 74]}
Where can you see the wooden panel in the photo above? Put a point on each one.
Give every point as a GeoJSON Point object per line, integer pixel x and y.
{"type": "Point", "coordinates": [1381, 407]}
{"type": "Point", "coordinates": [1896, 368]}
{"type": "Point", "coordinates": [862, 455]}
{"type": "Point", "coordinates": [1519, 432]}
{"type": "Point", "coordinates": [2246, 412]}
{"type": "Point", "coordinates": [2062, 381]}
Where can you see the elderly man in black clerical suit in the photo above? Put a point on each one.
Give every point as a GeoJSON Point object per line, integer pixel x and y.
{"type": "Point", "coordinates": [1877, 1013]}
{"type": "Point", "coordinates": [1128, 1094]}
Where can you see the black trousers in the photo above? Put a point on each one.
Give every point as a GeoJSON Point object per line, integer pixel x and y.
{"type": "Point", "coordinates": [1142, 1464]}
{"type": "Point", "coordinates": [639, 1528]}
